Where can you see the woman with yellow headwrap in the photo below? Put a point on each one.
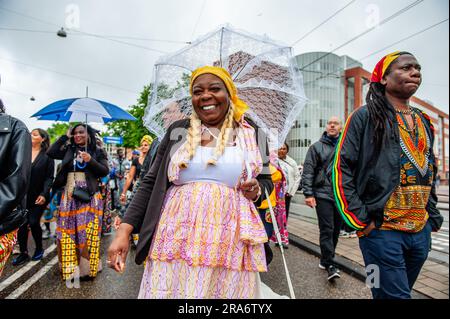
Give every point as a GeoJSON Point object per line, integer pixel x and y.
{"type": "Point", "coordinates": [195, 209]}
{"type": "Point", "coordinates": [134, 173]}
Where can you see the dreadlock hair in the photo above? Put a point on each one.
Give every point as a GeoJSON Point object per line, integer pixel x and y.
{"type": "Point", "coordinates": [379, 113]}
{"type": "Point", "coordinates": [380, 110]}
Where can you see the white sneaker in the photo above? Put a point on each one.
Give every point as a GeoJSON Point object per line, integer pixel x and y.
{"type": "Point", "coordinates": [344, 234]}
{"type": "Point", "coordinates": [46, 234]}
{"type": "Point", "coordinates": [322, 266]}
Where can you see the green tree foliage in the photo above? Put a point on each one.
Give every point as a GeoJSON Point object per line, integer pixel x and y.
{"type": "Point", "coordinates": [132, 131]}
{"type": "Point", "coordinates": [56, 130]}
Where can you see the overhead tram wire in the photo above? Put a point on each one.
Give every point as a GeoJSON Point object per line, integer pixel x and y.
{"type": "Point", "coordinates": [404, 39]}
{"type": "Point", "coordinates": [375, 52]}
{"type": "Point", "coordinates": [396, 14]}
{"type": "Point", "coordinates": [26, 30]}
{"type": "Point", "coordinates": [69, 75]}
{"type": "Point", "coordinates": [16, 92]}
{"type": "Point", "coordinates": [82, 32]}
{"type": "Point", "coordinates": [143, 39]}
{"type": "Point", "coordinates": [101, 35]}
{"type": "Point", "coordinates": [323, 22]}
{"type": "Point", "coordinates": [198, 20]}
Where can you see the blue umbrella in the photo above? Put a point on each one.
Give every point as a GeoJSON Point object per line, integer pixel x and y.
{"type": "Point", "coordinates": [83, 110]}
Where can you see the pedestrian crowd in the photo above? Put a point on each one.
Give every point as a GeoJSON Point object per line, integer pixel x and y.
{"type": "Point", "coordinates": [198, 206]}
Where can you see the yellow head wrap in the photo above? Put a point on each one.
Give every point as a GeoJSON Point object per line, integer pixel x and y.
{"type": "Point", "coordinates": [147, 138]}
{"type": "Point", "coordinates": [240, 106]}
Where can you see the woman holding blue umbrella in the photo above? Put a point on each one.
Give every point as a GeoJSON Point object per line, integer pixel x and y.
{"type": "Point", "coordinates": [81, 209]}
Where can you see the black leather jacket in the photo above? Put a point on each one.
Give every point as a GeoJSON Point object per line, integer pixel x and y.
{"type": "Point", "coordinates": [15, 166]}
{"type": "Point", "coordinates": [315, 180]}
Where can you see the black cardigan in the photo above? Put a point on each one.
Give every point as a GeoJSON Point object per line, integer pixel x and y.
{"type": "Point", "coordinates": [96, 168]}
{"type": "Point", "coordinates": [144, 211]}
{"type": "Point", "coordinates": [42, 172]}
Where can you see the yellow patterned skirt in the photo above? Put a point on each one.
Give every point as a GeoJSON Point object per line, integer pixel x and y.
{"type": "Point", "coordinates": [78, 232]}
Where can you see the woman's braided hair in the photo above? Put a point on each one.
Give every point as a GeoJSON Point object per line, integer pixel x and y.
{"type": "Point", "coordinates": [194, 136]}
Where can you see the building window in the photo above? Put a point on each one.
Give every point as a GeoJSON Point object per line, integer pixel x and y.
{"type": "Point", "coordinates": [300, 143]}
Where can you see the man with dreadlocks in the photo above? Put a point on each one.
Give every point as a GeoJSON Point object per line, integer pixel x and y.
{"type": "Point", "coordinates": [384, 177]}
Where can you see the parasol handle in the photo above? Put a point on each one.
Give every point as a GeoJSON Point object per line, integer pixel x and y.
{"type": "Point", "coordinates": [277, 234]}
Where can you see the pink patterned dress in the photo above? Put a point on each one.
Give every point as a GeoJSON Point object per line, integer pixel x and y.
{"type": "Point", "coordinates": [209, 240]}
{"type": "Point", "coordinates": [280, 209]}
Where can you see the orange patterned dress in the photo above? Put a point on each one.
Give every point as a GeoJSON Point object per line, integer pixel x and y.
{"type": "Point", "coordinates": [405, 209]}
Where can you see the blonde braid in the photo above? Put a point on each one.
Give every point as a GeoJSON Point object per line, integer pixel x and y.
{"type": "Point", "coordinates": [223, 138]}
{"type": "Point", "coordinates": [193, 139]}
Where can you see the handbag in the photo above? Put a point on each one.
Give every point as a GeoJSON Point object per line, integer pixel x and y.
{"type": "Point", "coordinates": [13, 221]}
{"type": "Point", "coordinates": [81, 195]}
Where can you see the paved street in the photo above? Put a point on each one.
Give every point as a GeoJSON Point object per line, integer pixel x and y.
{"type": "Point", "coordinates": [36, 280]}
{"type": "Point", "coordinates": [433, 279]}
{"type": "Point", "coordinates": [42, 279]}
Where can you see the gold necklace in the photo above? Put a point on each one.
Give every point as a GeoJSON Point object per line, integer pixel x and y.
{"type": "Point", "coordinates": [404, 126]}
{"type": "Point", "coordinates": [408, 111]}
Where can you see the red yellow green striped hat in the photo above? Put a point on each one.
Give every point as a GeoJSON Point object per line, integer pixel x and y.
{"type": "Point", "coordinates": [383, 64]}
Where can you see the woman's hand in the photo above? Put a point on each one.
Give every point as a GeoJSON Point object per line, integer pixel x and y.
{"type": "Point", "coordinates": [118, 250]}
{"type": "Point", "coordinates": [40, 200]}
{"type": "Point", "coordinates": [85, 156]}
{"type": "Point", "coordinates": [250, 189]}
{"type": "Point", "coordinates": [123, 198]}
{"type": "Point", "coordinates": [117, 222]}
{"type": "Point", "coordinates": [68, 133]}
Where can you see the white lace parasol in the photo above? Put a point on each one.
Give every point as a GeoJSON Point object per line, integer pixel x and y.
{"type": "Point", "coordinates": [264, 72]}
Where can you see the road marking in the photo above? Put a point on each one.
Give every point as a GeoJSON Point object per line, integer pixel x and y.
{"type": "Point", "coordinates": [441, 234]}
{"type": "Point", "coordinates": [8, 281]}
{"type": "Point", "coordinates": [27, 284]}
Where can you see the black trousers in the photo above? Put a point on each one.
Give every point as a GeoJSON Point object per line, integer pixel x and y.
{"type": "Point", "coordinates": [287, 200]}
{"type": "Point", "coordinates": [329, 226]}
{"type": "Point", "coordinates": [34, 221]}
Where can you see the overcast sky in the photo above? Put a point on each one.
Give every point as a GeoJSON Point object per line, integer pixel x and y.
{"type": "Point", "coordinates": [38, 63]}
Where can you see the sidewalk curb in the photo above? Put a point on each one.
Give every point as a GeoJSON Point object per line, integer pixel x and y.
{"type": "Point", "coordinates": [348, 266]}
{"type": "Point", "coordinates": [343, 263]}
